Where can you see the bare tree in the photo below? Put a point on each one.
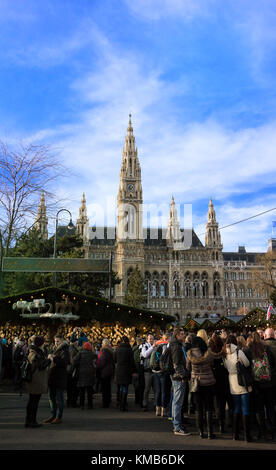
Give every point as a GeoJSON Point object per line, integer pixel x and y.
{"type": "Point", "coordinates": [265, 277]}
{"type": "Point", "coordinates": [25, 172]}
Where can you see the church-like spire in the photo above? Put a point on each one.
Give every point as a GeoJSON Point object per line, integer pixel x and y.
{"type": "Point", "coordinates": [82, 222]}
{"type": "Point", "coordinates": [130, 195]}
{"type": "Point", "coordinates": [173, 232]}
{"type": "Point", "coordinates": [41, 222]}
{"type": "Point", "coordinates": [212, 236]}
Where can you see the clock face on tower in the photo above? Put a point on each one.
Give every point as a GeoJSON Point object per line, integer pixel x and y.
{"type": "Point", "coordinates": [130, 187]}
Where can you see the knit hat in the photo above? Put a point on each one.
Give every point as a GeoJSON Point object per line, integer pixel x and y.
{"type": "Point", "coordinates": [87, 346]}
{"type": "Point", "coordinates": [38, 341]}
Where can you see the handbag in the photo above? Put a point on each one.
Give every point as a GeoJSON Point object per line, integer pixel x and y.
{"type": "Point", "coordinates": [76, 373]}
{"type": "Point", "coordinates": [245, 378]}
{"type": "Point", "coordinates": [194, 384]}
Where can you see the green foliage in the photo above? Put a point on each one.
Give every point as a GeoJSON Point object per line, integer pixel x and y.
{"type": "Point", "coordinates": [31, 245]}
{"type": "Point", "coordinates": [135, 295]}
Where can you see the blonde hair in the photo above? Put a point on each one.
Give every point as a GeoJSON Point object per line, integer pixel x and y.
{"type": "Point", "coordinates": [203, 335]}
{"type": "Point", "coordinates": [241, 342]}
{"type": "Point", "coordinates": [105, 343]}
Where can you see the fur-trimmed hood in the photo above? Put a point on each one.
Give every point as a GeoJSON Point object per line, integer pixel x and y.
{"type": "Point", "coordinates": [196, 356]}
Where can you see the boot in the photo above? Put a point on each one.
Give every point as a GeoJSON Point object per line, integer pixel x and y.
{"type": "Point", "coordinates": [164, 412]}
{"type": "Point", "coordinates": [236, 422]}
{"type": "Point", "coordinates": [221, 426]}
{"type": "Point", "coordinates": [209, 417]}
{"type": "Point", "coordinates": [247, 435]}
{"type": "Point", "coordinates": [158, 410]}
{"type": "Point", "coordinates": [261, 426]}
{"type": "Point", "coordinates": [229, 418]}
{"type": "Point", "coordinates": [124, 402]}
{"type": "Point", "coordinates": [199, 423]}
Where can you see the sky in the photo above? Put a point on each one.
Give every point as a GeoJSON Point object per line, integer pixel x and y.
{"type": "Point", "coordinates": [197, 76]}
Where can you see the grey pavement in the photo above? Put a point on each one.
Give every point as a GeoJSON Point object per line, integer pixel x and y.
{"type": "Point", "coordinates": [103, 429]}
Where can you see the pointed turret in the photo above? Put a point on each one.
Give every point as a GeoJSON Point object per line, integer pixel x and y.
{"type": "Point", "coordinates": [41, 222]}
{"type": "Point", "coordinates": [212, 235]}
{"type": "Point", "coordinates": [83, 221]}
{"type": "Point", "coordinates": [130, 194]}
{"type": "Point", "coordinates": [173, 232]}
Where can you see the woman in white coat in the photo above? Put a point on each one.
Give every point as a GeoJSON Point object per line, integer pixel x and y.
{"type": "Point", "coordinates": [240, 394]}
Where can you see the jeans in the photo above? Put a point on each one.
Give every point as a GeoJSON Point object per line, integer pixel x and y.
{"type": "Point", "coordinates": [178, 396]}
{"type": "Point", "coordinates": [89, 391]}
{"type": "Point", "coordinates": [162, 388]}
{"type": "Point", "coordinates": [148, 384]}
{"type": "Point", "coordinates": [241, 403]}
{"type": "Point", "coordinates": [56, 400]}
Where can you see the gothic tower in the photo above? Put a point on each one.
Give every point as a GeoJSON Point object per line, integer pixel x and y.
{"type": "Point", "coordinates": [212, 235]}
{"type": "Point", "coordinates": [130, 242]}
{"type": "Point", "coordinates": [41, 222]}
{"type": "Point", "coordinates": [173, 233]}
{"type": "Point", "coordinates": [130, 199]}
{"type": "Point", "coordinates": [83, 221]}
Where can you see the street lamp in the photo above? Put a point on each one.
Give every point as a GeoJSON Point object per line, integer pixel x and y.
{"type": "Point", "coordinates": [1, 272]}
{"type": "Point", "coordinates": [70, 226]}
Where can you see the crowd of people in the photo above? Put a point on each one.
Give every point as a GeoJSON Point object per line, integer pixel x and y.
{"type": "Point", "coordinates": [225, 375]}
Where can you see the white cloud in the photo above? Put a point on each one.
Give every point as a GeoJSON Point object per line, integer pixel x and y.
{"type": "Point", "coordinates": [162, 9]}
{"type": "Point", "coordinates": [192, 162]}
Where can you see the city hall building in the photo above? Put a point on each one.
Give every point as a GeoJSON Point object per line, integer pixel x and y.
{"type": "Point", "coordinates": [182, 276]}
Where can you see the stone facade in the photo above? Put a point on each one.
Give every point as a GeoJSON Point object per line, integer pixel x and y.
{"type": "Point", "coordinates": [194, 281]}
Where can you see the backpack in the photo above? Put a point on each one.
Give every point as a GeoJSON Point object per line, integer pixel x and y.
{"type": "Point", "coordinates": [18, 355]}
{"type": "Point", "coordinates": [26, 371]}
{"type": "Point", "coordinates": [261, 369]}
{"type": "Point", "coordinates": [155, 358]}
{"type": "Point", "coordinates": [165, 362]}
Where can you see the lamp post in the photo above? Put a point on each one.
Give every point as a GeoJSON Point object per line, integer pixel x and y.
{"type": "Point", "coordinates": [69, 226]}
{"type": "Point", "coordinates": [1, 272]}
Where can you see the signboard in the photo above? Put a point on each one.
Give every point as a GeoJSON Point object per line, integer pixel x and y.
{"type": "Point", "coordinates": [58, 265]}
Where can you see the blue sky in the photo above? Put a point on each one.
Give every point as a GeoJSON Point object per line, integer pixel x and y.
{"type": "Point", "coordinates": [198, 77]}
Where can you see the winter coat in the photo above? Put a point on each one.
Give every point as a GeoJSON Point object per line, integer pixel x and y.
{"type": "Point", "coordinates": [86, 362]}
{"type": "Point", "coordinates": [73, 351]}
{"type": "Point", "coordinates": [105, 363]}
{"type": "Point", "coordinates": [266, 384]}
{"type": "Point", "coordinates": [220, 373]}
{"type": "Point", "coordinates": [230, 362]}
{"type": "Point", "coordinates": [40, 369]}
{"type": "Point", "coordinates": [125, 365]}
{"type": "Point", "coordinates": [58, 369]}
{"type": "Point", "coordinates": [178, 360]}
{"type": "Point", "coordinates": [201, 366]}
{"type": "Point", "coordinates": [137, 355]}
{"type": "Point", "coordinates": [270, 343]}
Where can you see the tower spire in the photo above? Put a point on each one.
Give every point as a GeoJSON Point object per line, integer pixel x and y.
{"type": "Point", "coordinates": [83, 221]}
{"type": "Point", "coordinates": [212, 236]}
{"type": "Point", "coordinates": [41, 222]}
{"type": "Point", "coordinates": [130, 197]}
{"type": "Point", "coordinates": [173, 232]}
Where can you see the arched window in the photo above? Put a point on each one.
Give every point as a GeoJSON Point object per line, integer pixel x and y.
{"type": "Point", "coordinates": [196, 284]}
{"type": "Point", "coordinates": [155, 289]}
{"type": "Point", "coordinates": [176, 290]}
{"type": "Point", "coordinates": [204, 284]}
{"type": "Point", "coordinates": [216, 284]}
{"type": "Point", "coordinates": [164, 289]}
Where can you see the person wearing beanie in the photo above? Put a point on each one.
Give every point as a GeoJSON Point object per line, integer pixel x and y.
{"type": "Point", "coordinates": [38, 384]}
{"type": "Point", "coordinates": [85, 363]}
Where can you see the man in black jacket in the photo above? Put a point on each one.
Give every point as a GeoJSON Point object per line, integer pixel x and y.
{"type": "Point", "coordinates": [270, 341]}
{"type": "Point", "coordinates": [58, 379]}
{"type": "Point", "coordinates": [178, 379]}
